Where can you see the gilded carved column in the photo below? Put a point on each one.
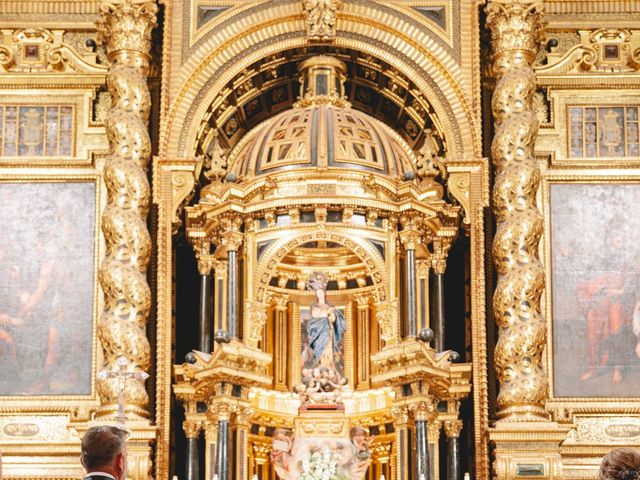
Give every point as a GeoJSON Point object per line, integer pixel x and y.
{"type": "Point", "coordinates": [126, 27]}
{"type": "Point", "coordinates": [211, 443]}
{"type": "Point", "coordinates": [516, 30]}
{"type": "Point", "coordinates": [434, 430]}
{"type": "Point", "coordinates": [363, 353]}
{"type": "Point", "coordinates": [423, 281]}
{"type": "Point", "coordinates": [205, 265]}
{"type": "Point", "coordinates": [441, 246]}
{"type": "Point", "coordinates": [219, 275]}
{"type": "Point", "coordinates": [401, 417]}
{"type": "Point", "coordinates": [282, 341]}
{"type": "Point", "coordinates": [410, 236]}
{"type": "Point", "coordinates": [231, 240]}
{"type": "Point", "coordinates": [192, 432]}
{"type": "Point", "coordinates": [241, 447]}
{"type": "Point", "coordinates": [452, 429]}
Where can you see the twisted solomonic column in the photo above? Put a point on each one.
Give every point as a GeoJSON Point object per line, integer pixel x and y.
{"type": "Point", "coordinates": [516, 30]}
{"type": "Point", "coordinates": [126, 27]}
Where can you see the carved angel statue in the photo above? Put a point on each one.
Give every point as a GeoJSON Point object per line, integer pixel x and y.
{"type": "Point", "coordinates": [281, 455]}
{"type": "Point", "coordinates": [360, 441]}
{"type": "Point", "coordinates": [321, 17]}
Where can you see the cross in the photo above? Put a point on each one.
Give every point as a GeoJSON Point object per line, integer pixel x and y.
{"type": "Point", "coordinates": [122, 374]}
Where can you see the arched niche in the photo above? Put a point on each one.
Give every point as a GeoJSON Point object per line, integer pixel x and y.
{"type": "Point", "coordinates": [271, 27]}
{"type": "Point", "coordinates": [359, 245]}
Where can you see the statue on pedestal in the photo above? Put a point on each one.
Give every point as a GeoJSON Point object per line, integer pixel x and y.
{"type": "Point", "coordinates": [323, 334]}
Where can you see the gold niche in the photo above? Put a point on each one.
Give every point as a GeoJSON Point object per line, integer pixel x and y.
{"type": "Point", "coordinates": [319, 188]}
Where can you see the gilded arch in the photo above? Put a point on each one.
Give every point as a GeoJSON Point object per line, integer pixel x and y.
{"type": "Point", "coordinates": [359, 245]}
{"type": "Point", "coordinates": [277, 26]}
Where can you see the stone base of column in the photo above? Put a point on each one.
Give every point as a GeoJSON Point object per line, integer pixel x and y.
{"type": "Point", "coordinates": [527, 449]}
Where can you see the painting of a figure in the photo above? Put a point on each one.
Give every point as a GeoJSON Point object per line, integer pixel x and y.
{"type": "Point", "coordinates": [47, 283]}
{"type": "Point", "coordinates": [595, 260]}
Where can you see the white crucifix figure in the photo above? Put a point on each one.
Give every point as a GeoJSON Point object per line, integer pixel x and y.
{"type": "Point", "coordinates": [122, 374]}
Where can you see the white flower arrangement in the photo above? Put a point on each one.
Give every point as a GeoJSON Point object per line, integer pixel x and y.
{"type": "Point", "coordinates": [320, 465]}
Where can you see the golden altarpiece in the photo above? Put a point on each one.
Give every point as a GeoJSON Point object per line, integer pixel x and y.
{"type": "Point", "coordinates": [324, 163]}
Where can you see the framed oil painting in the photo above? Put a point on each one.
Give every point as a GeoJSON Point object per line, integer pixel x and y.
{"type": "Point", "coordinates": [48, 254]}
{"type": "Point", "coordinates": [595, 289]}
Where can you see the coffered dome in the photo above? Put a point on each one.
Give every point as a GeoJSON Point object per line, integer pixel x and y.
{"type": "Point", "coordinates": [323, 132]}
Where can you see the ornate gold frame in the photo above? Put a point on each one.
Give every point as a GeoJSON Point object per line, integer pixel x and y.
{"type": "Point", "coordinates": [553, 138]}
{"type": "Point", "coordinates": [45, 424]}
{"type": "Point", "coordinates": [560, 406]}
{"type": "Point", "coordinates": [88, 136]}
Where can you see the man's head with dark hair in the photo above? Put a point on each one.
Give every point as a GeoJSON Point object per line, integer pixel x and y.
{"type": "Point", "coordinates": [104, 450]}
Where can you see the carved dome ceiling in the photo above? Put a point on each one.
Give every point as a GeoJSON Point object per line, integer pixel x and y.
{"type": "Point", "coordinates": [271, 86]}
{"type": "Point", "coordinates": [322, 131]}
{"type": "Point", "coordinates": [347, 270]}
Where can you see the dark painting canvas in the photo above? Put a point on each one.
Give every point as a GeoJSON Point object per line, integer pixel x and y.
{"type": "Point", "coordinates": [595, 258]}
{"type": "Point", "coordinates": [47, 287]}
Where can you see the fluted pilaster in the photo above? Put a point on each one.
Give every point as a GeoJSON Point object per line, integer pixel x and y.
{"type": "Point", "coordinates": [516, 30]}
{"type": "Point", "coordinates": [126, 27]}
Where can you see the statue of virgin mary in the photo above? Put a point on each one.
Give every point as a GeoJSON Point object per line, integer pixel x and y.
{"type": "Point", "coordinates": [325, 330]}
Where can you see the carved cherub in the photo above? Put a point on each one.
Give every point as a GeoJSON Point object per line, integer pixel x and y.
{"type": "Point", "coordinates": [281, 458]}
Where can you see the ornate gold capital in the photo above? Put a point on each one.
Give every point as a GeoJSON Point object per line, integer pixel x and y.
{"type": "Point", "coordinates": [279, 300]}
{"type": "Point", "coordinates": [410, 238]}
{"type": "Point", "coordinates": [422, 411]}
{"type": "Point", "coordinates": [517, 29]}
{"type": "Point", "coordinates": [453, 428]}
{"type": "Point", "coordinates": [261, 452]}
{"type": "Point", "coordinates": [126, 29]}
{"type": "Point", "coordinates": [401, 416]}
{"type": "Point", "coordinates": [191, 429]}
{"type": "Point", "coordinates": [231, 240]}
{"type": "Point", "coordinates": [441, 247]}
{"type": "Point", "coordinates": [412, 231]}
{"type": "Point", "coordinates": [223, 411]}
{"type": "Point", "coordinates": [231, 237]}
{"type": "Point", "coordinates": [433, 430]}
{"type": "Point", "coordinates": [242, 416]}
{"type": "Point", "coordinates": [363, 302]}
{"type": "Point", "coordinates": [202, 248]}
